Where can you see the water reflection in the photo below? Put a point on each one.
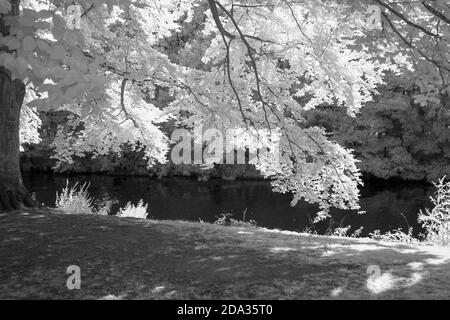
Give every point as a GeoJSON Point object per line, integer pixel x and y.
{"type": "Point", "coordinates": [180, 198]}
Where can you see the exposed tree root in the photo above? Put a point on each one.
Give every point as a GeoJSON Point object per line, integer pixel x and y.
{"type": "Point", "coordinates": [15, 199]}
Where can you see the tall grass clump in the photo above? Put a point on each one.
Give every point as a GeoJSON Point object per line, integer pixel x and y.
{"type": "Point", "coordinates": [437, 221]}
{"type": "Point", "coordinates": [75, 200]}
{"type": "Point", "coordinates": [130, 210]}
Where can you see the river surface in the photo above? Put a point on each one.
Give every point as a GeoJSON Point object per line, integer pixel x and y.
{"type": "Point", "coordinates": [388, 206]}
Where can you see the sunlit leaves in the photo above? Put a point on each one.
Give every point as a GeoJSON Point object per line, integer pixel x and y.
{"type": "Point", "coordinates": [257, 64]}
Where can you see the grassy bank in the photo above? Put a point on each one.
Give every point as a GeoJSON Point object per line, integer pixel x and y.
{"type": "Point", "coordinates": [140, 259]}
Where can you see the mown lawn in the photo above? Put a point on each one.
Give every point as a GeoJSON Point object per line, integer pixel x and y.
{"type": "Point", "coordinates": [144, 259]}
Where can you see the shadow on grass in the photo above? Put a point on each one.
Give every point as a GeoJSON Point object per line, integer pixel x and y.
{"type": "Point", "coordinates": [136, 259]}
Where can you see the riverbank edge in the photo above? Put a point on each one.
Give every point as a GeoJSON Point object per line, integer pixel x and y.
{"type": "Point", "coordinates": [207, 261]}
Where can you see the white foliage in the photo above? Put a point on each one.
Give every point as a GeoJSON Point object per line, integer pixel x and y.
{"type": "Point", "coordinates": [107, 128]}
{"type": "Point", "coordinates": [75, 200]}
{"type": "Point", "coordinates": [29, 122]}
{"type": "Point", "coordinates": [139, 211]}
{"type": "Point", "coordinates": [437, 220]}
{"type": "Point", "coordinates": [102, 72]}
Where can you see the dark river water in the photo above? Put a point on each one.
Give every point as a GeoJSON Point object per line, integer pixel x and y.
{"type": "Point", "coordinates": [187, 199]}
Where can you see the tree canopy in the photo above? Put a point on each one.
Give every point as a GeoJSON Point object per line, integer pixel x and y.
{"type": "Point", "coordinates": [253, 64]}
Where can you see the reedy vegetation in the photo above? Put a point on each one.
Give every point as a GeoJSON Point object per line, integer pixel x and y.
{"type": "Point", "coordinates": [436, 222]}
{"type": "Point", "coordinates": [139, 211]}
{"type": "Point", "coordinates": [77, 200]}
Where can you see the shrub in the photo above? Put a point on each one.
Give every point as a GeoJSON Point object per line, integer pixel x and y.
{"type": "Point", "coordinates": [226, 220]}
{"type": "Point", "coordinates": [131, 211]}
{"type": "Point", "coordinates": [75, 200]}
{"type": "Point", "coordinates": [357, 233]}
{"type": "Point", "coordinates": [103, 207]}
{"type": "Point", "coordinates": [437, 221]}
{"type": "Point", "coordinates": [340, 232]}
{"type": "Point", "coordinates": [397, 235]}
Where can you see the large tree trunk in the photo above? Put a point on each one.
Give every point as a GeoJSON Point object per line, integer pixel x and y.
{"type": "Point", "coordinates": [13, 194]}
{"type": "Point", "coordinates": [12, 191]}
